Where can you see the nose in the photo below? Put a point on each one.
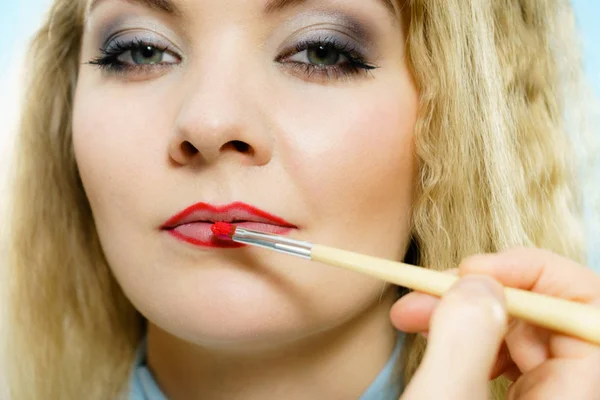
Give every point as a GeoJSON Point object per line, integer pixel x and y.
{"type": "Point", "coordinates": [219, 119]}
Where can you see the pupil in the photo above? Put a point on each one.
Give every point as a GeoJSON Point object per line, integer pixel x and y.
{"type": "Point", "coordinates": [322, 53]}
{"type": "Point", "coordinates": [148, 52]}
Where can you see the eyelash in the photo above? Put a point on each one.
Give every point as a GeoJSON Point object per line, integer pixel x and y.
{"type": "Point", "coordinates": [355, 63]}
{"type": "Point", "coordinates": [109, 60]}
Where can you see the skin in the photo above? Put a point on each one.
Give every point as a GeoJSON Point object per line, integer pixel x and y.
{"type": "Point", "coordinates": [337, 152]}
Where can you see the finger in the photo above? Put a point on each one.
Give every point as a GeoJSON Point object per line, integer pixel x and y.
{"type": "Point", "coordinates": [537, 270]}
{"type": "Point", "coordinates": [558, 379]}
{"type": "Point", "coordinates": [466, 331]}
{"type": "Point", "coordinates": [412, 312]}
{"type": "Point", "coordinates": [528, 345]}
{"type": "Point", "coordinates": [543, 272]}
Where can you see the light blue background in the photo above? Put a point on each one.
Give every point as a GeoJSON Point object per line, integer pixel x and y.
{"type": "Point", "coordinates": [18, 19]}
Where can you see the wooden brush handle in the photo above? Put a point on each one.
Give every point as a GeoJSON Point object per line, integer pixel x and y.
{"type": "Point", "coordinates": [567, 317]}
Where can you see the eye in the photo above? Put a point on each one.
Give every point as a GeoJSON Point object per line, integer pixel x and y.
{"type": "Point", "coordinates": [321, 55]}
{"type": "Point", "coordinates": [136, 58]}
{"type": "Point", "coordinates": [325, 59]}
{"type": "Point", "coordinates": [146, 55]}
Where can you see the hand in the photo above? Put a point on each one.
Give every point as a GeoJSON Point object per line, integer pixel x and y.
{"type": "Point", "coordinates": [471, 342]}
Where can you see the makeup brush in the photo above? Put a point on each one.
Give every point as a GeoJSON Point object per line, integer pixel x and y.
{"type": "Point", "coordinates": [563, 316]}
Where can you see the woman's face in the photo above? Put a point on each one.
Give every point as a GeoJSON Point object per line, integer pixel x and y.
{"type": "Point", "coordinates": [304, 110]}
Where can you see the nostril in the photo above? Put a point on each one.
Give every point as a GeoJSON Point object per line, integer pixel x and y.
{"type": "Point", "coordinates": [240, 146]}
{"type": "Point", "coordinates": [188, 149]}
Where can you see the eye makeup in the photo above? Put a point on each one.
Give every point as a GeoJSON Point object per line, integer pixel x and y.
{"type": "Point", "coordinates": [324, 45]}
{"type": "Point", "coordinates": [347, 23]}
{"type": "Point", "coordinates": [326, 55]}
{"type": "Point", "coordinates": [316, 46]}
{"type": "Point", "coordinates": [137, 52]}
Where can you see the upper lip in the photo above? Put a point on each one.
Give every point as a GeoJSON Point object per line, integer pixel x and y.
{"type": "Point", "coordinates": [234, 212]}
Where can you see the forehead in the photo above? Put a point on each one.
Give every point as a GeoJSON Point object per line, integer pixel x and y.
{"type": "Point", "coordinates": [270, 6]}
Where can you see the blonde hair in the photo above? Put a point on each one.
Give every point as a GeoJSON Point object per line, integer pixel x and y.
{"type": "Point", "coordinates": [495, 172]}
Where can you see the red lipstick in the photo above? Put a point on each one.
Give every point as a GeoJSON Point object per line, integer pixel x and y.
{"type": "Point", "coordinates": [193, 225]}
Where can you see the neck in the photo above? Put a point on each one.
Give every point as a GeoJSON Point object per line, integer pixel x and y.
{"type": "Point", "coordinates": [338, 364]}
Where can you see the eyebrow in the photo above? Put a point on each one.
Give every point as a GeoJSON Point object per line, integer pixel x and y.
{"type": "Point", "coordinates": [272, 6]}
{"type": "Point", "coordinates": [279, 5]}
{"type": "Point", "coordinates": [166, 6]}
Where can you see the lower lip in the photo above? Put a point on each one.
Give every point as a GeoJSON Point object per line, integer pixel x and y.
{"type": "Point", "coordinates": [200, 234]}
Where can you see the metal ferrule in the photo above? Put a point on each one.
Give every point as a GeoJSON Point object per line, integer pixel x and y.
{"type": "Point", "coordinates": [278, 243]}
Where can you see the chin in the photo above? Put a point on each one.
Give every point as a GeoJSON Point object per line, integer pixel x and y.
{"type": "Point", "coordinates": [235, 332]}
{"type": "Point", "coordinates": [241, 313]}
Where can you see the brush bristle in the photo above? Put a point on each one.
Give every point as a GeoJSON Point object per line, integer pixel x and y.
{"type": "Point", "coordinates": [223, 230]}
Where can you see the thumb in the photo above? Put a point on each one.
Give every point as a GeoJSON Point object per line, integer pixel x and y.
{"type": "Point", "coordinates": [465, 334]}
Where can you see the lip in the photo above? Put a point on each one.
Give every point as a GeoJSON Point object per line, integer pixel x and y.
{"type": "Point", "coordinates": [193, 224]}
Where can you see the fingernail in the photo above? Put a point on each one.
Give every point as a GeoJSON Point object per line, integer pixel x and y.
{"type": "Point", "coordinates": [478, 288]}
{"type": "Point", "coordinates": [480, 285]}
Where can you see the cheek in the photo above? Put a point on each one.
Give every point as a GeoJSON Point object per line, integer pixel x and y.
{"type": "Point", "coordinates": [355, 161]}
{"type": "Point", "coordinates": [114, 140]}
